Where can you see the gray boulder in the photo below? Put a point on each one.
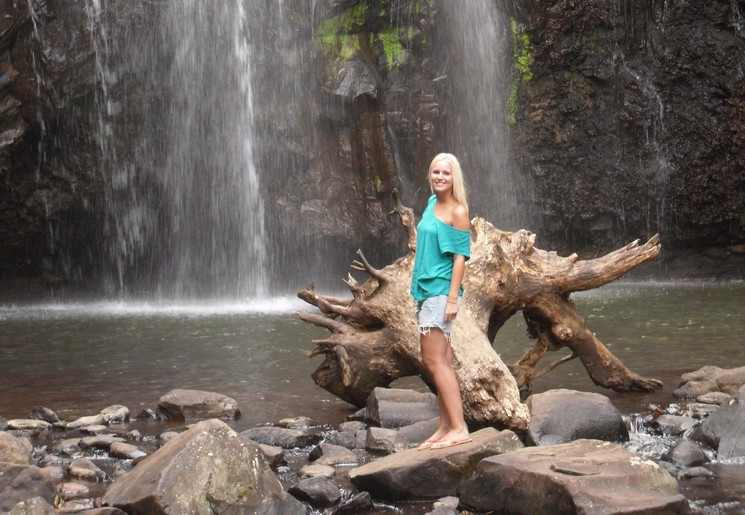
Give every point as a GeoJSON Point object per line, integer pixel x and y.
{"type": "Point", "coordinates": [430, 474]}
{"type": "Point", "coordinates": [318, 491]}
{"type": "Point", "coordinates": [29, 424]}
{"type": "Point", "coordinates": [85, 469]}
{"type": "Point", "coordinates": [20, 483]}
{"type": "Point", "coordinates": [332, 455]}
{"type": "Point", "coordinates": [207, 469]}
{"type": "Point", "coordinates": [385, 441]}
{"type": "Point", "coordinates": [35, 506]}
{"type": "Point", "coordinates": [673, 424]}
{"type": "Point", "coordinates": [724, 429]}
{"type": "Point", "coordinates": [42, 413]}
{"type": "Point", "coordinates": [15, 449]}
{"type": "Point", "coordinates": [584, 476]}
{"type": "Point", "coordinates": [394, 408]}
{"type": "Point", "coordinates": [561, 416]}
{"type": "Point", "coordinates": [281, 437]}
{"type": "Point", "coordinates": [184, 404]}
{"type": "Point", "coordinates": [687, 454]}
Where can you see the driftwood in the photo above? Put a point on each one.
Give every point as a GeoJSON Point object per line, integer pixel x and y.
{"type": "Point", "coordinates": [374, 339]}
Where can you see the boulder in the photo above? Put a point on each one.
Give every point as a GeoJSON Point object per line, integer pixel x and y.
{"type": "Point", "coordinates": [126, 451]}
{"type": "Point", "coordinates": [724, 430]}
{"type": "Point", "coordinates": [332, 455]}
{"type": "Point", "coordinates": [115, 414]}
{"type": "Point", "coordinates": [183, 404]}
{"type": "Point", "coordinates": [358, 503]}
{"type": "Point", "coordinates": [385, 441]}
{"type": "Point", "coordinates": [29, 424]}
{"type": "Point", "coordinates": [99, 441]}
{"type": "Point", "coordinates": [22, 482]}
{"type": "Point", "coordinates": [35, 506]}
{"type": "Point", "coordinates": [275, 456]}
{"type": "Point", "coordinates": [351, 439]}
{"type": "Point", "coordinates": [15, 449]}
{"type": "Point", "coordinates": [417, 432]}
{"type": "Point", "coordinates": [584, 476]}
{"type": "Point", "coordinates": [207, 469]}
{"type": "Point", "coordinates": [394, 408]}
{"type": "Point", "coordinates": [673, 424]}
{"type": "Point", "coordinates": [561, 416]}
{"type": "Point", "coordinates": [695, 389]}
{"type": "Point", "coordinates": [430, 474]}
{"type": "Point", "coordinates": [45, 414]}
{"type": "Point", "coordinates": [687, 454]}
{"type": "Point", "coordinates": [318, 491]}
{"type": "Point", "coordinates": [281, 437]}
{"type": "Point", "coordinates": [85, 469]}
{"type": "Point", "coordinates": [91, 420]}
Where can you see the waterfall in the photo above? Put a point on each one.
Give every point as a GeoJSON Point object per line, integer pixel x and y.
{"type": "Point", "coordinates": [185, 213]}
{"type": "Point", "coordinates": [480, 71]}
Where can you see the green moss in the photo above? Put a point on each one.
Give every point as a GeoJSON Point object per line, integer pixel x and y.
{"type": "Point", "coordinates": [337, 35]}
{"type": "Point", "coordinates": [391, 45]}
{"type": "Point", "coordinates": [522, 55]}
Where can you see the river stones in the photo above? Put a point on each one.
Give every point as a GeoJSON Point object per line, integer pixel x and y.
{"type": "Point", "coordinates": [84, 468]}
{"type": "Point", "coordinates": [560, 416]}
{"type": "Point", "coordinates": [385, 441]}
{"type": "Point", "coordinates": [431, 474]}
{"type": "Point", "coordinates": [281, 437]}
{"type": "Point", "coordinates": [203, 470]}
{"type": "Point", "coordinates": [319, 491]}
{"type": "Point", "coordinates": [22, 482]}
{"type": "Point", "coordinates": [723, 430]}
{"type": "Point", "coordinates": [185, 404]}
{"type": "Point", "coordinates": [45, 414]}
{"type": "Point", "coordinates": [29, 424]}
{"type": "Point", "coordinates": [584, 476]}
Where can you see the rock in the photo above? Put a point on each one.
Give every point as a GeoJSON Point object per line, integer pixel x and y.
{"type": "Point", "coordinates": [68, 446]}
{"type": "Point", "coordinates": [417, 432]}
{"type": "Point", "coordinates": [717, 398]}
{"type": "Point", "coordinates": [445, 506]}
{"type": "Point", "coordinates": [352, 425]}
{"type": "Point", "coordinates": [359, 503]}
{"type": "Point", "coordinates": [99, 441]}
{"type": "Point", "coordinates": [695, 389]}
{"type": "Point", "coordinates": [167, 435]}
{"type": "Point", "coordinates": [355, 439]}
{"type": "Point", "coordinates": [183, 404]}
{"type": "Point", "coordinates": [730, 381]}
{"type": "Point", "coordinates": [687, 454]}
{"type": "Point", "coordinates": [92, 420]}
{"type": "Point", "coordinates": [204, 470]}
{"type": "Point", "coordinates": [584, 476]}
{"type": "Point", "coordinates": [281, 437]}
{"type": "Point", "coordinates": [126, 451]}
{"type": "Point", "coordinates": [673, 424]}
{"type": "Point", "coordinates": [356, 79]}
{"type": "Point", "coordinates": [724, 430]}
{"type": "Point", "coordinates": [22, 482]}
{"type": "Point", "coordinates": [15, 449]}
{"type": "Point", "coordinates": [95, 429]}
{"type": "Point", "coordinates": [115, 414]}
{"type": "Point", "coordinates": [35, 506]}
{"type": "Point", "coordinates": [45, 414]}
{"type": "Point", "coordinates": [28, 424]}
{"type": "Point", "coordinates": [393, 408]}
{"type": "Point", "coordinates": [317, 470]}
{"type": "Point", "coordinates": [560, 416]}
{"type": "Point", "coordinates": [296, 423]}
{"type": "Point", "coordinates": [430, 474]}
{"type": "Point", "coordinates": [3, 424]}
{"type": "Point", "coordinates": [85, 469]}
{"type": "Point", "coordinates": [72, 490]}
{"type": "Point", "coordinates": [385, 441]}
{"type": "Point", "coordinates": [329, 454]}
{"type": "Point", "coordinates": [319, 491]}
{"type": "Point", "coordinates": [275, 456]}
{"type": "Point", "coordinates": [696, 473]}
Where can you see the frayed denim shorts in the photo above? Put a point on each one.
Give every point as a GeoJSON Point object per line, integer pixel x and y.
{"type": "Point", "coordinates": [431, 313]}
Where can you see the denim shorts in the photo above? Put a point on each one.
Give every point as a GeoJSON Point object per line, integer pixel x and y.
{"type": "Point", "coordinates": [431, 313]}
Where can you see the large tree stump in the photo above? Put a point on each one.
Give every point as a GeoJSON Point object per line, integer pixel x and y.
{"type": "Point", "coordinates": [374, 339]}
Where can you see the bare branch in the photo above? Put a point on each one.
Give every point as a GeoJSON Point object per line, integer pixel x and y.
{"type": "Point", "coordinates": [406, 214]}
{"type": "Point", "coordinates": [325, 322]}
{"type": "Point", "coordinates": [555, 364]}
{"type": "Point", "coordinates": [364, 266]}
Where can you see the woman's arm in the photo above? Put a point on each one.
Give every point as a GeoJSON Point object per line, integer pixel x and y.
{"type": "Point", "coordinates": [460, 221]}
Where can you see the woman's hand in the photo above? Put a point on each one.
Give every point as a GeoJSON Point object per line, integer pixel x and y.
{"type": "Point", "coordinates": [451, 309]}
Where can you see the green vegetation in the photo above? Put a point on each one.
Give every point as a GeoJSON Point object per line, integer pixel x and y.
{"type": "Point", "coordinates": [521, 53]}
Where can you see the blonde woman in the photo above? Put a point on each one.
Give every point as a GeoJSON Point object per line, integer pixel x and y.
{"type": "Point", "coordinates": [442, 248]}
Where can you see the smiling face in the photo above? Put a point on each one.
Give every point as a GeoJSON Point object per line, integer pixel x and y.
{"type": "Point", "coordinates": [441, 176]}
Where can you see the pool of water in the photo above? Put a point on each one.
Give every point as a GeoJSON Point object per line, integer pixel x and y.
{"type": "Point", "coordinates": [77, 358]}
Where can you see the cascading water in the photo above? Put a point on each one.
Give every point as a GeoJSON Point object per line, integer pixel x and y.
{"type": "Point", "coordinates": [480, 72]}
{"type": "Point", "coordinates": [185, 213]}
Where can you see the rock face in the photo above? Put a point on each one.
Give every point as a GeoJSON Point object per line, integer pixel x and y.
{"type": "Point", "coordinates": [205, 470]}
{"type": "Point", "coordinates": [628, 120]}
{"type": "Point", "coordinates": [585, 476]}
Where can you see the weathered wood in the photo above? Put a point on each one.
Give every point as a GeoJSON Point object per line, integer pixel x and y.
{"type": "Point", "coordinates": [374, 337]}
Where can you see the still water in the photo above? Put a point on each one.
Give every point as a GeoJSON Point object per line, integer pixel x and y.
{"type": "Point", "coordinates": [80, 358]}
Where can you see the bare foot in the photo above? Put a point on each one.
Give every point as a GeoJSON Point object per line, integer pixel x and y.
{"type": "Point", "coordinates": [429, 442]}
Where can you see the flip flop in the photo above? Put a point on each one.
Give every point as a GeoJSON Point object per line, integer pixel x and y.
{"type": "Point", "coordinates": [426, 444]}
{"type": "Point", "coordinates": [444, 444]}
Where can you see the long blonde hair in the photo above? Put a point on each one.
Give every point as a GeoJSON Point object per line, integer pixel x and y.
{"type": "Point", "coordinates": [459, 185]}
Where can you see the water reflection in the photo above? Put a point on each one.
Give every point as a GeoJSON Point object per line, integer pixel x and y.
{"type": "Point", "coordinates": [80, 358]}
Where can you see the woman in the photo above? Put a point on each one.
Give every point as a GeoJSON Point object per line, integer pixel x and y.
{"type": "Point", "coordinates": [442, 248]}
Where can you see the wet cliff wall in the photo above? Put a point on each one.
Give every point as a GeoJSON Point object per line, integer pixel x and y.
{"type": "Point", "coordinates": [623, 119]}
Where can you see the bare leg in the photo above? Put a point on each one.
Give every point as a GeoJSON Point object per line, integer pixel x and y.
{"type": "Point", "coordinates": [437, 356]}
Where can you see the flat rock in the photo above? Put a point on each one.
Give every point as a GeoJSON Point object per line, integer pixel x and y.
{"type": "Point", "coordinates": [115, 414]}
{"type": "Point", "coordinates": [319, 492]}
{"type": "Point", "coordinates": [99, 441]}
{"type": "Point", "coordinates": [185, 404]}
{"type": "Point", "coordinates": [430, 474]}
{"type": "Point", "coordinates": [29, 424]}
{"type": "Point", "coordinates": [585, 476]}
{"type": "Point", "coordinates": [561, 416]}
{"type": "Point", "coordinates": [724, 430]}
{"type": "Point", "coordinates": [332, 455]}
{"type": "Point", "coordinates": [126, 451]}
{"type": "Point", "coordinates": [317, 470]}
{"type": "Point", "coordinates": [91, 420]}
{"type": "Point", "coordinates": [85, 469]}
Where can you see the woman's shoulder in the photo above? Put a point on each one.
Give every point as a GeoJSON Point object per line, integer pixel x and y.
{"type": "Point", "coordinates": [459, 217]}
